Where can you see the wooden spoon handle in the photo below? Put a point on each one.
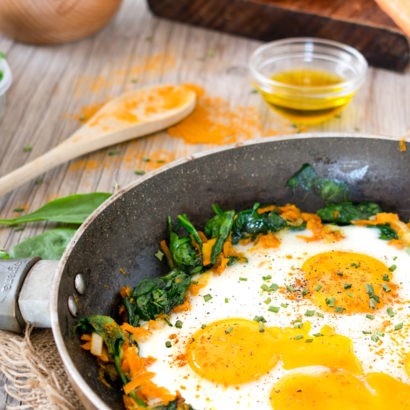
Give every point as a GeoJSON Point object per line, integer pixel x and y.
{"type": "Point", "coordinates": [33, 169]}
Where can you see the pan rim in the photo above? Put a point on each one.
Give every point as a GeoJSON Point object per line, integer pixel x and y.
{"type": "Point", "coordinates": [79, 383]}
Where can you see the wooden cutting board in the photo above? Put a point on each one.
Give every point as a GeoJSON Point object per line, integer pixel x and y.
{"type": "Point", "coordinates": [360, 23]}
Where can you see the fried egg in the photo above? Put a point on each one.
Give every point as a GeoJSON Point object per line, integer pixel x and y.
{"type": "Point", "coordinates": [304, 324]}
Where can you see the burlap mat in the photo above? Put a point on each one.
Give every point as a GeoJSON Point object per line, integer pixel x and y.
{"type": "Point", "coordinates": [35, 373]}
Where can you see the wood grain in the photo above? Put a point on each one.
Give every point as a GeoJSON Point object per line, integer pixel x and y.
{"type": "Point", "coordinates": [360, 24]}
{"type": "Point", "coordinates": [52, 84]}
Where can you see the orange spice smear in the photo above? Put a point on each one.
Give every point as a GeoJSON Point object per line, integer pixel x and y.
{"type": "Point", "coordinates": [215, 121]}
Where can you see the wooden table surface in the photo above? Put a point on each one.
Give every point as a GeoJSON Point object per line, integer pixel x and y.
{"type": "Point", "coordinates": [53, 84]}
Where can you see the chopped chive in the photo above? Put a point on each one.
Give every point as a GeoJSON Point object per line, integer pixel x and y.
{"type": "Point", "coordinates": [339, 309]}
{"type": "Point", "coordinates": [369, 289]}
{"type": "Point", "coordinates": [379, 333]}
{"type": "Point", "coordinates": [178, 324]}
{"type": "Point", "coordinates": [298, 325]}
{"type": "Point", "coordinates": [271, 288]}
{"type": "Point", "coordinates": [371, 317]}
{"type": "Point", "coordinates": [27, 148]}
{"type": "Point", "coordinates": [259, 319]}
{"type": "Point", "coordinates": [318, 287]}
{"type": "Point", "coordinates": [398, 326]}
{"type": "Point", "coordinates": [390, 312]}
{"type": "Point", "coordinates": [330, 301]}
{"type": "Point", "coordinates": [290, 288]}
{"type": "Point", "coordinates": [274, 309]}
{"type": "Point", "coordinates": [375, 338]}
{"type": "Point", "coordinates": [146, 159]}
{"type": "Point", "coordinates": [350, 294]}
{"type": "Point", "coordinates": [309, 313]}
{"type": "Point", "coordinates": [139, 172]}
{"type": "Point", "coordinates": [159, 255]}
{"type": "Point", "coordinates": [366, 332]}
{"type": "Point", "coordinates": [386, 288]}
{"type": "Point", "coordinates": [114, 152]}
{"type": "Point", "coordinates": [305, 292]}
{"type": "Point", "coordinates": [320, 314]}
{"type": "Point", "coordinates": [267, 301]}
{"type": "Point", "coordinates": [243, 279]}
{"type": "Point", "coordinates": [267, 277]}
{"type": "Point", "coordinates": [168, 343]}
{"type": "Point", "coordinates": [386, 277]}
{"type": "Point", "coordinates": [18, 210]}
{"type": "Point", "coordinates": [261, 327]}
{"type": "Point", "coordinates": [310, 340]}
{"type": "Point", "coordinates": [298, 337]}
{"type": "Point", "coordinates": [226, 300]}
{"type": "Point", "coordinates": [229, 330]}
{"type": "Point", "coordinates": [318, 334]}
{"type": "Point", "coordinates": [347, 285]}
{"type": "Point", "coordinates": [372, 304]}
{"type": "Point", "coordinates": [203, 326]}
{"type": "Point", "coordinates": [392, 268]}
{"type": "Point", "coordinates": [339, 273]}
{"type": "Point", "coordinates": [284, 305]}
{"type": "Point", "coordinates": [207, 297]}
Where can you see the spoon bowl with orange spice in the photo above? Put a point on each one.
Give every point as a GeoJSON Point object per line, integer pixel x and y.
{"type": "Point", "coordinates": [131, 115]}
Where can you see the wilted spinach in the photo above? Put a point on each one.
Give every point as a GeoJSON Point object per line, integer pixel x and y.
{"type": "Point", "coordinates": [346, 212]}
{"type": "Point", "coordinates": [155, 296]}
{"type": "Point", "coordinates": [330, 190]}
{"type": "Point", "coordinates": [250, 222]}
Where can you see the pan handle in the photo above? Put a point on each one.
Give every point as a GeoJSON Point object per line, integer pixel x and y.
{"type": "Point", "coordinates": [25, 292]}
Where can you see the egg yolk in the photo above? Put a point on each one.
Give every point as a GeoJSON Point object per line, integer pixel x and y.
{"type": "Point", "coordinates": [232, 351]}
{"type": "Point", "coordinates": [348, 282]}
{"type": "Point", "coordinates": [339, 390]}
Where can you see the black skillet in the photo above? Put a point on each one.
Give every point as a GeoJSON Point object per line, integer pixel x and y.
{"type": "Point", "coordinates": [125, 231]}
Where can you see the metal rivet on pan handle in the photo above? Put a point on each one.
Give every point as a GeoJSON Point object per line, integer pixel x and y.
{"type": "Point", "coordinates": [79, 283]}
{"type": "Point", "coordinates": [72, 306]}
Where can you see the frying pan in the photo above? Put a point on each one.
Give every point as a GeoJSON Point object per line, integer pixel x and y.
{"type": "Point", "coordinates": [124, 233]}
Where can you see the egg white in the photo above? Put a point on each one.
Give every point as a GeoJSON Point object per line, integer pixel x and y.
{"type": "Point", "coordinates": [237, 293]}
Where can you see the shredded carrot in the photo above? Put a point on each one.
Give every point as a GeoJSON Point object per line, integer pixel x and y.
{"type": "Point", "coordinates": [221, 264]}
{"type": "Point", "coordinates": [207, 251]}
{"type": "Point", "coordinates": [125, 291]}
{"type": "Point", "coordinates": [402, 145]}
{"type": "Point", "coordinates": [268, 241]}
{"type": "Point", "coordinates": [140, 333]}
{"type": "Point", "coordinates": [268, 208]}
{"type": "Point", "coordinates": [166, 251]}
{"type": "Point", "coordinates": [183, 307]}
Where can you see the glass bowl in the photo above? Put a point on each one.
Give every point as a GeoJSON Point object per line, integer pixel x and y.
{"type": "Point", "coordinates": [308, 80]}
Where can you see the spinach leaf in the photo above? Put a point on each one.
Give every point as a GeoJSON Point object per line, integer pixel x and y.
{"type": "Point", "coordinates": [48, 245]}
{"type": "Point", "coordinates": [152, 297]}
{"type": "Point", "coordinates": [219, 227]}
{"type": "Point", "coordinates": [107, 328]}
{"type": "Point", "coordinates": [330, 190]}
{"type": "Point", "coordinates": [250, 222]}
{"type": "Point", "coordinates": [72, 209]}
{"type": "Point", "coordinates": [346, 212]}
{"type": "Point", "coordinates": [304, 178]}
{"type": "Point", "coordinates": [186, 223]}
{"type": "Point", "coordinates": [386, 232]}
{"type": "Point", "coordinates": [184, 254]}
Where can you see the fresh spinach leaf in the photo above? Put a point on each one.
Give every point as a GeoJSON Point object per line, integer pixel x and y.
{"type": "Point", "coordinates": [303, 178]}
{"type": "Point", "coordinates": [72, 209]}
{"type": "Point", "coordinates": [186, 223]}
{"type": "Point", "coordinates": [346, 212]}
{"type": "Point", "coordinates": [48, 245]}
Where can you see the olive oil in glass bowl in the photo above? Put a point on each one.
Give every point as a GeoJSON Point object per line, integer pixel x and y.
{"type": "Point", "coordinates": [307, 80]}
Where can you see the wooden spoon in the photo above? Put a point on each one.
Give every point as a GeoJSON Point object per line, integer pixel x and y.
{"type": "Point", "coordinates": [129, 116]}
